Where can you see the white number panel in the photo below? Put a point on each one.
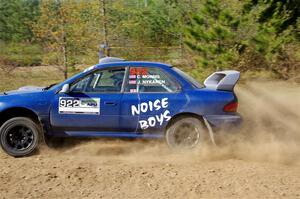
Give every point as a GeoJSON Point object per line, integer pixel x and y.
{"type": "Point", "coordinates": [73, 105]}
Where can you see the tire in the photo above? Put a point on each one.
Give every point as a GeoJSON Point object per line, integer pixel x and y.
{"type": "Point", "coordinates": [20, 136]}
{"type": "Point", "coordinates": [185, 133]}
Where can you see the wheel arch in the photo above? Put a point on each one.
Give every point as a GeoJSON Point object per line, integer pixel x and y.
{"type": "Point", "coordinates": [18, 112]}
{"type": "Point", "coordinates": [181, 115]}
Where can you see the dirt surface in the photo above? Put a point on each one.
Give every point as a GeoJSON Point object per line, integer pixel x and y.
{"type": "Point", "coordinates": [261, 160]}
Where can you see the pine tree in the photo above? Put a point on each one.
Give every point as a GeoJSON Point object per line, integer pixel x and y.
{"type": "Point", "coordinates": [277, 31]}
{"type": "Point", "coordinates": [276, 13]}
{"type": "Point", "coordinates": [211, 36]}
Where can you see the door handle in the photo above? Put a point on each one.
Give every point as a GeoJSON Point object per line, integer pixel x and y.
{"type": "Point", "coordinates": [110, 103]}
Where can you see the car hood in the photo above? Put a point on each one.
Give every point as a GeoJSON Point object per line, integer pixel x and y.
{"type": "Point", "coordinates": [25, 89]}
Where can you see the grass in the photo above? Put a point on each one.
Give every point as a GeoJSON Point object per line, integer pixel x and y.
{"type": "Point", "coordinates": [33, 76]}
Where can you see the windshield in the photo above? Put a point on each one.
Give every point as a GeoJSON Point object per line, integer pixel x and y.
{"type": "Point", "coordinates": [56, 86]}
{"type": "Point", "coordinates": [188, 78]}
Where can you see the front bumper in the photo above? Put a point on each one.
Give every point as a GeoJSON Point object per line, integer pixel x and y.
{"type": "Point", "coordinates": [224, 121]}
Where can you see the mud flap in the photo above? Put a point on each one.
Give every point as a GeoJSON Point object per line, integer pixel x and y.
{"type": "Point", "coordinates": [210, 131]}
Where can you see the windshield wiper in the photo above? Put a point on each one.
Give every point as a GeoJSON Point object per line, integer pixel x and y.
{"type": "Point", "coordinates": [48, 87]}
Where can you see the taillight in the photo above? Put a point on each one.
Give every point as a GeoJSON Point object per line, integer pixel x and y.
{"type": "Point", "coordinates": [231, 107]}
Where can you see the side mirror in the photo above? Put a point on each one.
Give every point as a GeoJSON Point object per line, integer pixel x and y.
{"type": "Point", "coordinates": [65, 88]}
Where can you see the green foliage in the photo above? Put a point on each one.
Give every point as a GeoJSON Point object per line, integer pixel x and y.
{"type": "Point", "coordinates": [16, 34]}
{"type": "Point", "coordinates": [250, 35]}
{"type": "Point", "coordinates": [277, 24]}
{"type": "Point", "coordinates": [15, 19]}
{"type": "Point", "coordinates": [155, 23]}
{"type": "Point", "coordinates": [20, 54]}
{"type": "Point", "coordinates": [211, 36]}
{"type": "Point", "coordinates": [67, 29]}
{"type": "Point", "coordinates": [276, 13]}
{"type": "Point", "coordinates": [276, 31]}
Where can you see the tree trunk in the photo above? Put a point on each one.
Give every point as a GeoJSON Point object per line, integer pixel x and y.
{"type": "Point", "coordinates": [105, 29]}
{"type": "Point", "coordinates": [65, 52]}
{"type": "Point", "coordinates": [181, 46]}
{"type": "Point", "coordinates": [65, 65]}
{"type": "Point", "coordinates": [63, 43]}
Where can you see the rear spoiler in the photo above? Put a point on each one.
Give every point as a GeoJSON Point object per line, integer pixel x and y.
{"type": "Point", "coordinates": [223, 80]}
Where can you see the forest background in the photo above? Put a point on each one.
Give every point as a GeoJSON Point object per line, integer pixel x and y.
{"type": "Point", "coordinates": [260, 38]}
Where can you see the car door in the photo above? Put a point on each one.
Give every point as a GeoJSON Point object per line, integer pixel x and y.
{"type": "Point", "coordinates": [92, 106]}
{"type": "Point", "coordinates": [160, 97]}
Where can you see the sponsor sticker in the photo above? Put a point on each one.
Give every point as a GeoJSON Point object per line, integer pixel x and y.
{"type": "Point", "coordinates": [138, 71]}
{"type": "Point", "coordinates": [74, 105]}
{"type": "Point", "coordinates": [132, 82]}
{"type": "Point", "coordinates": [133, 91]}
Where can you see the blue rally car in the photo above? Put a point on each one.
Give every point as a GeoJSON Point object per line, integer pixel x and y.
{"type": "Point", "coordinates": [118, 98]}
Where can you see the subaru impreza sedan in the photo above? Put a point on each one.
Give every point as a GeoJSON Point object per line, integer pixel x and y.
{"type": "Point", "coordinates": [122, 99]}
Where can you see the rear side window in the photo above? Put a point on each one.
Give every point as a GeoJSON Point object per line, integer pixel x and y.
{"type": "Point", "coordinates": [150, 80]}
{"type": "Point", "coordinates": [101, 81]}
{"type": "Point", "coordinates": [188, 78]}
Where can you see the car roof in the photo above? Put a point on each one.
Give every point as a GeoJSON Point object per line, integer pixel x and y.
{"type": "Point", "coordinates": [115, 62]}
{"type": "Point", "coordinates": [134, 63]}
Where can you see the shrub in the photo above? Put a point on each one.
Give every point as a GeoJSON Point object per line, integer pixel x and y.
{"type": "Point", "coordinates": [20, 54]}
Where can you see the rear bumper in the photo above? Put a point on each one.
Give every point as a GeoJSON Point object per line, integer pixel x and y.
{"type": "Point", "coordinates": [224, 121]}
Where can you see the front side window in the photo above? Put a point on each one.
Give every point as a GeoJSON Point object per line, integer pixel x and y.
{"type": "Point", "coordinates": [150, 80]}
{"type": "Point", "coordinates": [101, 81]}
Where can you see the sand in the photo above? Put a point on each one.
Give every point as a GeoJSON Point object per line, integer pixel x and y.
{"type": "Point", "coordinates": [260, 160]}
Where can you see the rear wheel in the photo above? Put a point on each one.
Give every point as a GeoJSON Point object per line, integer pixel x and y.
{"type": "Point", "coordinates": [185, 132]}
{"type": "Point", "coordinates": [19, 136]}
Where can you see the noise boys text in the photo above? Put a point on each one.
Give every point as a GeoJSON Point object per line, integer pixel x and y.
{"type": "Point", "coordinates": [155, 105]}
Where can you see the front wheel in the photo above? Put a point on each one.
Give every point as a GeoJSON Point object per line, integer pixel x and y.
{"type": "Point", "coordinates": [185, 132]}
{"type": "Point", "coordinates": [19, 136]}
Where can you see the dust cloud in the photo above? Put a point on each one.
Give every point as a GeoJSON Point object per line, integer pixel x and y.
{"type": "Point", "coordinates": [271, 127]}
